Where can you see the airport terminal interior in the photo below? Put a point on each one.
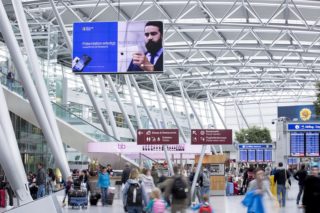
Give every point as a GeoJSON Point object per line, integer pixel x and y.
{"type": "Point", "coordinates": [160, 106]}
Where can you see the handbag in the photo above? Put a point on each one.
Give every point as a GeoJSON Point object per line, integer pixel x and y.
{"type": "Point", "coordinates": [288, 186]}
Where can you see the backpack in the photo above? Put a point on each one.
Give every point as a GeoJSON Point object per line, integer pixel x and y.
{"type": "Point", "coordinates": [179, 188]}
{"type": "Point", "coordinates": [134, 195]}
{"type": "Point", "coordinates": [159, 206]}
{"type": "Point", "coordinates": [205, 209]}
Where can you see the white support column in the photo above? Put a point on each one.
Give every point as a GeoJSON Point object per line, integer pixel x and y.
{"type": "Point", "coordinates": [107, 104]}
{"type": "Point", "coordinates": [213, 120]}
{"type": "Point", "coordinates": [83, 78]}
{"type": "Point", "coordinates": [133, 100]}
{"type": "Point", "coordinates": [185, 105]}
{"type": "Point", "coordinates": [203, 147]}
{"type": "Point", "coordinates": [10, 158]}
{"type": "Point", "coordinates": [211, 112]}
{"type": "Point", "coordinates": [218, 112]}
{"type": "Point", "coordinates": [95, 105]}
{"type": "Point", "coordinates": [171, 112]}
{"type": "Point", "coordinates": [244, 118]}
{"type": "Point", "coordinates": [40, 85]}
{"type": "Point", "coordinates": [164, 123]}
{"type": "Point", "coordinates": [126, 117]}
{"type": "Point", "coordinates": [135, 84]}
{"type": "Point", "coordinates": [21, 67]}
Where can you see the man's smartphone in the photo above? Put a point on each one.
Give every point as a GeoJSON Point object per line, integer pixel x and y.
{"type": "Point", "coordinates": [78, 64]}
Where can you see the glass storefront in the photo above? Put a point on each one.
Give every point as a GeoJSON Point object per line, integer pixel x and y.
{"type": "Point", "coordinates": [32, 144]}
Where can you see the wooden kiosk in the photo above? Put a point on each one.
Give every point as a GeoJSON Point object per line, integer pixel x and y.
{"type": "Point", "coordinates": [216, 168]}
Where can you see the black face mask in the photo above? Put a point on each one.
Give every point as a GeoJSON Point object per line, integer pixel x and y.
{"type": "Point", "coordinates": [154, 47]}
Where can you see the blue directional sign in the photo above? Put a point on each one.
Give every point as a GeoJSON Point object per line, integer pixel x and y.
{"type": "Point", "coordinates": [255, 146]}
{"type": "Point", "coordinates": [303, 127]}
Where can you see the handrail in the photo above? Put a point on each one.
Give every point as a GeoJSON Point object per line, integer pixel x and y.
{"type": "Point", "coordinates": [71, 114]}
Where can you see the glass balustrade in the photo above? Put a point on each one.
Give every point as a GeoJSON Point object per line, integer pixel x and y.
{"type": "Point", "coordinates": [65, 115]}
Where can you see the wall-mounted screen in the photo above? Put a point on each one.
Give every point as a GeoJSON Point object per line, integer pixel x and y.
{"type": "Point", "coordinates": [267, 155]}
{"type": "Point", "coordinates": [118, 47]}
{"type": "Point", "coordinates": [251, 155]}
{"type": "Point", "coordinates": [297, 144]}
{"type": "Point", "coordinates": [259, 155]}
{"type": "Point", "coordinates": [243, 155]}
{"type": "Point", "coordinates": [312, 144]}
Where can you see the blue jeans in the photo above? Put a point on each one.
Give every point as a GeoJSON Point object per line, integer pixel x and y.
{"type": "Point", "coordinates": [104, 195]}
{"type": "Point", "coordinates": [300, 193]}
{"type": "Point", "coordinates": [41, 191]}
{"type": "Point", "coordinates": [281, 189]}
{"type": "Point", "coordinates": [205, 190]}
{"type": "Point", "coordinates": [134, 209]}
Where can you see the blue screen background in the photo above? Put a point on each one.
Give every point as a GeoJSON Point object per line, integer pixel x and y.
{"type": "Point", "coordinates": [104, 57]}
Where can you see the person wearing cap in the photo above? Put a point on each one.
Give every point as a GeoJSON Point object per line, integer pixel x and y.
{"type": "Point", "coordinates": [311, 195]}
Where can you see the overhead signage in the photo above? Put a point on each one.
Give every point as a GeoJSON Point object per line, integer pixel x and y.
{"type": "Point", "coordinates": [268, 155]}
{"type": "Point", "coordinates": [312, 144]}
{"type": "Point", "coordinates": [243, 155]}
{"type": "Point", "coordinates": [255, 153]}
{"type": "Point", "coordinates": [297, 144]}
{"type": "Point", "coordinates": [303, 127]}
{"type": "Point", "coordinates": [292, 161]}
{"type": "Point", "coordinates": [251, 155]}
{"type": "Point", "coordinates": [255, 146]}
{"type": "Point", "coordinates": [300, 113]}
{"type": "Point", "coordinates": [118, 47]}
{"type": "Point", "coordinates": [157, 136]}
{"type": "Point", "coordinates": [211, 136]}
{"type": "Point", "coordinates": [133, 148]}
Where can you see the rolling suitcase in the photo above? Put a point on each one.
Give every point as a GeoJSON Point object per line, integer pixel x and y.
{"type": "Point", "coordinates": [2, 198]}
{"type": "Point", "coordinates": [229, 189]}
{"type": "Point", "coordinates": [110, 196]}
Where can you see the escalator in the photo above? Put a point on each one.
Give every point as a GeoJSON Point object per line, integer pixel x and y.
{"type": "Point", "coordinates": [75, 131]}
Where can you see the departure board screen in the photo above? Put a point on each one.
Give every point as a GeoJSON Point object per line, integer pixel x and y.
{"type": "Point", "coordinates": [312, 144]}
{"type": "Point", "coordinates": [243, 155]}
{"type": "Point", "coordinates": [251, 155]}
{"type": "Point", "coordinates": [297, 144]}
{"type": "Point", "coordinates": [259, 155]}
{"type": "Point", "coordinates": [268, 155]}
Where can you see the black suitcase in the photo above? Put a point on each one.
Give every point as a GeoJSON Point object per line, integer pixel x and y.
{"type": "Point", "coordinates": [110, 198]}
{"type": "Point", "coordinates": [94, 198]}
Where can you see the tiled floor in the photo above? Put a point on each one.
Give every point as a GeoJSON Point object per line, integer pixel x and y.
{"type": "Point", "coordinates": [220, 204]}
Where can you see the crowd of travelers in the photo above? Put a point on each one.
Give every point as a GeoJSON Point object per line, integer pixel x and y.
{"type": "Point", "coordinates": [154, 191]}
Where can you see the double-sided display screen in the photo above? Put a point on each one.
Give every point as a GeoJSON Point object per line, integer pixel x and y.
{"type": "Point", "coordinates": [297, 144]}
{"type": "Point", "coordinates": [134, 47]}
{"type": "Point", "coordinates": [312, 144]}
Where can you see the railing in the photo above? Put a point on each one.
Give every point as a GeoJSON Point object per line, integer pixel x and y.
{"type": "Point", "coordinates": [62, 113]}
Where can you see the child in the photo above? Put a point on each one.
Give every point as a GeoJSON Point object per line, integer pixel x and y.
{"type": "Point", "coordinates": [156, 204]}
{"type": "Point", "coordinates": [203, 207]}
{"type": "Point", "coordinates": [67, 189]}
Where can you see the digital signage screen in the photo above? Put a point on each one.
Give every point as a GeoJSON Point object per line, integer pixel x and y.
{"type": "Point", "coordinates": [243, 155]}
{"type": "Point", "coordinates": [297, 144]}
{"type": "Point", "coordinates": [118, 47]}
{"type": "Point", "coordinates": [259, 155]}
{"type": "Point", "coordinates": [312, 144]}
{"type": "Point", "coordinates": [267, 155]}
{"type": "Point", "coordinates": [251, 155]}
